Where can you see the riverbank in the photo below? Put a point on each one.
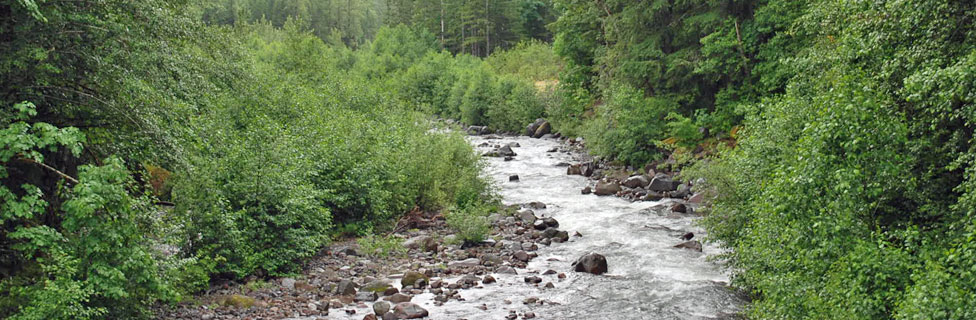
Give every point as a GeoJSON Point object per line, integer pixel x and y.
{"type": "Point", "coordinates": [525, 269]}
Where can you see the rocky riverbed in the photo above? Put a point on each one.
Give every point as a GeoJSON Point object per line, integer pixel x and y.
{"type": "Point", "coordinates": [648, 263]}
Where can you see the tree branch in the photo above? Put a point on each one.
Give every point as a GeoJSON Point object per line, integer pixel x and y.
{"type": "Point", "coordinates": [50, 168]}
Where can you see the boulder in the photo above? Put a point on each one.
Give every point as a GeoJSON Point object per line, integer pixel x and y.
{"type": "Point", "coordinates": [638, 181]}
{"type": "Point", "coordinates": [346, 288]}
{"type": "Point", "coordinates": [662, 182]}
{"type": "Point", "coordinates": [398, 298]}
{"type": "Point", "coordinates": [679, 208]}
{"type": "Point", "coordinates": [588, 169]}
{"type": "Point", "coordinates": [521, 255]}
{"type": "Point", "coordinates": [551, 222]}
{"type": "Point", "coordinates": [594, 263]}
{"type": "Point", "coordinates": [690, 245]}
{"type": "Point", "coordinates": [411, 277]}
{"type": "Point", "coordinates": [605, 188]}
{"type": "Point", "coordinates": [533, 279]}
{"type": "Point", "coordinates": [683, 191]}
{"type": "Point", "coordinates": [544, 129]}
{"type": "Point", "coordinates": [540, 225]}
{"type": "Point", "coordinates": [409, 310]}
{"type": "Point", "coordinates": [527, 216]}
{"type": "Point", "coordinates": [533, 127]}
{"type": "Point", "coordinates": [506, 151]}
{"type": "Point", "coordinates": [575, 169]}
{"type": "Point", "coordinates": [536, 205]}
{"type": "Point", "coordinates": [513, 178]}
{"type": "Point", "coordinates": [425, 243]}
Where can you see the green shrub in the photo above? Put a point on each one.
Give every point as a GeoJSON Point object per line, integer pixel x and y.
{"type": "Point", "coordinates": [88, 259]}
{"type": "Point", "coordinates": [629, 126]}
{"type": "Point", "coordinates": [470, 223]}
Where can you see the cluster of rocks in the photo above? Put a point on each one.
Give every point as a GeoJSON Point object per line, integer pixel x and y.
{"type": "Point", "coordinates": [649, 186]}
{"type": "Point", "coordinates": [347, 280]}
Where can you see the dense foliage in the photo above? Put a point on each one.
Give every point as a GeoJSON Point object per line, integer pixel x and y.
{"type": "Point", "coordinates": [210, 151]}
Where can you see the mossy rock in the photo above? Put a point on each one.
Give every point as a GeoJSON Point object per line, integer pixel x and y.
{"type": "Point", "coordinates": [237, 301]}
{"type": "Point", "coordinates": [411, 277]}
{"type": "Point", "coordinates": [378, 286]}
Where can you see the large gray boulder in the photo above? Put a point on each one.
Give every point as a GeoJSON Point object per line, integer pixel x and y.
{"type": "Point", "coordinates": [662, 182]}
{"type": "Point", "coordinates": [638, 181]}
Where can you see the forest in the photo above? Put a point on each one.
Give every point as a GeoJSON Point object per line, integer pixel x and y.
{"type": "Point", "coordinates": [151, 148]}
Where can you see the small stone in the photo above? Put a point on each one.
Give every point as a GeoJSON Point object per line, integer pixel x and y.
{"type": "Point", "coordinates": [370, 317]}
{"type": "Point", "coordinates": [346, 288]}
{"type": "Point", "coordinates": [687, 236]}
{"type": "Point", "coordinates": [528, 315]}
{"type": "Point", "coordinates": [680, 208]}
{"type": "Point", "coordinates": [521, 255]}
{"type": "Point", "coordinates": [530, 300]}
{"type": "Point", "coordinates": [514, 177]}
{"type": "Point", "coordinates": [587, 190]}
{"type": "Point", "coordinates": [533, 279]}
{"type": "Point", "coordinates": [549, 285]}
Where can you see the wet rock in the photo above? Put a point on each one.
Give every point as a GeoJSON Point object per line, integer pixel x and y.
{"type": "Point", "coordinates": [531, 128]}
{"type": "Point", "coordinates": [556, 235]}
{"type": "Point", "coordinates": [604, 188]}
{"type": "Point", "coordinates": [536, 205]}
{"type": "Point", "coordinates": [488, 280]}
{"type": "Point", "coordinates": [521, 255]}
{"type": "Point", "coordinates": [575, 169]}
{"type": "Point", "coordinates": [366, 296]}
{"type": "Point", "coordinates": [697, 198]}
{"type": "Point", "coordinates": [587, 190]}
{"type": "Point", "coordinates": [687, 236]}
{"type": "Point", "coordinates": [398, 298]}
{"type": "Point", "coordinates": [409, 310]}
{"type": "Point", "coordinates": [528, 315]}
{"type": "Point", "coordinates": [513, 178]}
{"type": "Point", "coordinates": [690, 245]}
{"type": "Point", "coordinates": [549, 285]}
{"type": "Point", "coordinates": [509, 158]}
{"type": "Point", "coordinates": [544, 129]}
{"type": "Point", "coordinates": [551, 222]}
{"type": "Point", "coordinates": [514, 145]}
{"type": "Point", "coordinates": [549, 272]}
{"type": "Point", "coordinates": [638, 181]}
{"type": "Point", "coordinates": [370, 317]}
{"type": "Point", "coordinates": [662, 182]}
{"type": "Point", "coordinates": [389, 315]}
{"type": "Point", "coordinates": [491, 260]}
{"type": "Point", "coordinates": [653, 196]}
{"type": "Point", "coordinates": [540, 225]}
{"type": "Point", "coordinates": [530, 300]}
{"type": "Point", "coordinates": [552, 149]}
{"type": "Point", "coordinates": [588, 169]}
{"type": "Point", "coordinates": [346, 288]}
{"type": "Point", "coordinates": [411, 277]}
{"type": "Point", "coordinates": [532, 279]}
{"type": "Point", "coordinates": [506, 151]}
{"type": "Point", "coordinates": [594, 263]}
{"type": "Point", "coordinates": [679, 208]}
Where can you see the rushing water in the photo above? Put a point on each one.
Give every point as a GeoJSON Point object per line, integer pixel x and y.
{"type": "Point", "coordinates": [647, 278]}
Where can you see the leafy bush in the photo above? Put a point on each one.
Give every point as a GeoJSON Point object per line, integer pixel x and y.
{"type": "Point", "coordinates": [87, 259]}
{"type": "Point", "coordinates": [629, 126]}
{"type": "Point", "coordinates": [470, 223]}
